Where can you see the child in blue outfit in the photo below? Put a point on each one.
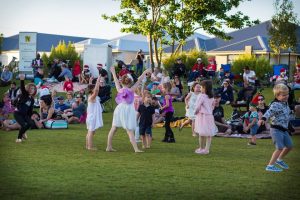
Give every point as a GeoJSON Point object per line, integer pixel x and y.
{"type": "Point", "coordinates": [252, 125]}
{"type": "Point", "coordinates": [278, 113]}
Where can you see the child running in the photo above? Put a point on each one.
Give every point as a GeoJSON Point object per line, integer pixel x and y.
{"type": "Point", "coordinates": [24, 106]}
{"type": "Point", "coordinates": [190, 102]}
{"type": "Point", "coordinates": [168, 110]}
{"type": "Point", "coordinates": [124, 114]}
{"type": "Point", "coordinates": [278, 113]}
{"type": "Point", "coordinates": [146, 119]}
{"type": "Point", "coordinates": [94, 114]}
{"type": "Point", "coordinates": [204, 121]}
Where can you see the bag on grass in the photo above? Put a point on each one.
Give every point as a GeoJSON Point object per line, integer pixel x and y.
{"type": "Point", "coordinates": [56, 124]}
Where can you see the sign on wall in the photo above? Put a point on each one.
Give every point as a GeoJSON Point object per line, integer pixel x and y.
{"type": "Point", "coordinates": [27, 49]}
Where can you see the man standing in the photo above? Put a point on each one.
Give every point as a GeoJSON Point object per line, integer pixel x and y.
{"type": "Point", "coordinates": [139, 66]}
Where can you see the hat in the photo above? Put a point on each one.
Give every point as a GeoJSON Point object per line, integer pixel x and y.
{"type": "Point", "coordinates": [217, 95]}
{"type": "Point", "coordinates": [178, 59]}
{"type": "Point", "coordinates": [199, 59]}
{"type": "Point", "coordinates": [85, 67]}
{"type": "Point", "coordinates": [282, 70]}
{"type": "Point", "coordinates": [99, 65]}
{"type": "Point", "coordinates": [60, 98]}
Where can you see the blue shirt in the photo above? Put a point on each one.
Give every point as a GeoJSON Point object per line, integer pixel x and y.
{"type": "Point", "coordinates": [6, 75]}
{"type": "Point", "coordinates": [66, 72]}
{"type": "Point", "coordinates": [61, 107]}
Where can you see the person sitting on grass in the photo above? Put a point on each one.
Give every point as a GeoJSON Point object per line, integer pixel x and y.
{"type": "Point", "coordinates": [218, 112]}
{"type": "Point", "coordinates": [68, 85]}
{"type": "Point", "coordinates": [279, 113]}
{"type": "Point", "coordinates": [76, 111]}
{"type": "Point", "coordinates": [12, 124]}
{"type": "Point", "coordinates": [155, 90]}
{"type": "Point", "coordinates": [46, 109]}
{"type": "Point", "coordinates": [175, 92]}
{"type": "Point", "coordinates": [251, 123]}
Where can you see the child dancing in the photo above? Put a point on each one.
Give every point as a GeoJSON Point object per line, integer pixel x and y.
{"type": "Point", "coordinates": [124, 114]}
{"type": "Point", "coordinates": [190, 102]}
{"type": "Point", "coordinates": [94, 114]}
{"type": "Point", "coordinates": [24, 107]}
{"type": "Point", "coordinates": [204, 121]}
{"type": "Point", "coordinates": [278, 113]}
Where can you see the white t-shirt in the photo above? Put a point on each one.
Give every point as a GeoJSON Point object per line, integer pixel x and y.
{"type": "Point", "coordinates": [249, 76]}
{"type": "Point", "coordinates": [156, 77]}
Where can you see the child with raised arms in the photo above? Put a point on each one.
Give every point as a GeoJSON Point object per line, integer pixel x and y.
{"type": "Point", "coordinates": [124, 114]}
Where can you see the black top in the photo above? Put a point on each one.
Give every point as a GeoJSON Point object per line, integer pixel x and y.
{"type": "Point", "coordinates": [218, 113]}
{"type": "Point", "coordinates": [140, 58]}
{"type": "Point", "coordinates": [104, 91]}
{"type": "Point", "coordinates": [179, 69]}
{"type": "Point", "coordinates": [146, 115]}
{"type": "Point", "coordinates": [25, 102]}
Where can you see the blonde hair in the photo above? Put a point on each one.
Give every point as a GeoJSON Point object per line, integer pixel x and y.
{"type": "Point", "coordinates": [279, 88]}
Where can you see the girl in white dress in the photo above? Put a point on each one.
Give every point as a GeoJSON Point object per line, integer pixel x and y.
{"type": "Point", "coordinates": [94, 114]}
{"type": "Point", "coordinates": [125, 114]}
{"type": "Point", "coordinates": [190, 102]}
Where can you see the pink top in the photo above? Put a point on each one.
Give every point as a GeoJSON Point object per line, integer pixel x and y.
{"type": "Point", "coordinates": [205, 104]}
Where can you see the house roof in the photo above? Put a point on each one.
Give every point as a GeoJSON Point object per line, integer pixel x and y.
{"type": "Point", "coordinates": [256, 36]}
{"type": "Point", "coordinates": [44, 41]}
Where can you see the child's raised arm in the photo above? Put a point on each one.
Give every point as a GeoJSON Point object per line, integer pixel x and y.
{"type": "Point", "coordinates": [140, 79]}
{"type": "Point", "coordinates": [117, 83]}
{"type": "Point", "coordinates": [95, 90]}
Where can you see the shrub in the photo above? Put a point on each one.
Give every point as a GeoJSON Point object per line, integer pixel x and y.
{"type": "Point", "coordinates": [188, 58]}
{"type": "Point", "coordinates": [260, 65]}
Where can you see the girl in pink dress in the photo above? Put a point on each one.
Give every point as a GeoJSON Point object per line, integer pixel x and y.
{"type": "Point", "coordinates": [204, 121]}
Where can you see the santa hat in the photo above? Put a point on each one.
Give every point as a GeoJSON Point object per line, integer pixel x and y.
{"type": "Point", "coordinates": [255, 99]}
{"type": "Point", "coordinates": [99, 65]}
{"type": "Point", "coordinates": [85, 67]}
{"type": "Point", "coordinates": [282, 70]}
{"type": "Point", "coordinates": [251, 104]}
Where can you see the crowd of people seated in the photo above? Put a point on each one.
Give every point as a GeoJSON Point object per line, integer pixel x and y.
{"type": "Point", "coordinates": [72, 107]}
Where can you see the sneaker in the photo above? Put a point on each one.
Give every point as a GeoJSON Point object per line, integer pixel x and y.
{"type": "Point", "coordinates": [227, 102]}
{"type": "Point", "coordinates": [251, 143]}
{"type": "Point", "coordinates": [18, 140]}
{"type": "Point", "coordinates": [282, 164]}
{"type": "Point", "coordinates": [273, 168]}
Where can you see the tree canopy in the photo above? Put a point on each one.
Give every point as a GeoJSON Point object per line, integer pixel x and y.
{"type": "Point", "coordinates": [283, 30]}
{"type": "Point", "coordinates": [169, 21]}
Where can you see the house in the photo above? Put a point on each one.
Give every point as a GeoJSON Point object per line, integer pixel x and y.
{"type": "Point", "coordinates": [251, 40]}
{"type": "Point", "coordinates": [45, 42]}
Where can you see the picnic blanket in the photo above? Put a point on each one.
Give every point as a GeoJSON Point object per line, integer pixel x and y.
{"type": "Point", "coordinates": [59, 86]}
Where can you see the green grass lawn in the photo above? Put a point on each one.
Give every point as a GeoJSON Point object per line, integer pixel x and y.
{"type": "Point", "coordinates": [53, 164]}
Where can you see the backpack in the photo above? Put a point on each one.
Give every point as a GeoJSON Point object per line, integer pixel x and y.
{"type": "Point", "coordinates": [56, 124]}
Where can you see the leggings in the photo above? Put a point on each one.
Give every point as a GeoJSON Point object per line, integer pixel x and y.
{"type": "Point", "coordinates": [169, 133]}
{"type": "Point", "coordinates": [24, 121]}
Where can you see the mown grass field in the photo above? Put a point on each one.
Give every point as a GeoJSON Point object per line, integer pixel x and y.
{"type": "Point", "coordinates": [53, 164]}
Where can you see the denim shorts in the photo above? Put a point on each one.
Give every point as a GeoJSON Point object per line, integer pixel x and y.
{"type": "Point", "coordinates": [145, 130]}
{"type": "Point", "coordinates": [281, 139]}
{"type": "Point", "coordinates": [253, 129]}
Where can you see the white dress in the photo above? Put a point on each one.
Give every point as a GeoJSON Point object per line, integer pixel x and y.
{"type": "Point", "coordinates": [94, 115]}
{"type": "Point", "coordinates": [190, 112]}
{"type": "Point", "coordinates": [125, 116]}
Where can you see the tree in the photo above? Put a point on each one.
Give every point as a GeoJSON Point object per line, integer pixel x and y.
{"type": "Point", "coordinates": [283, 30]}
{"type": "Point", "coordinates": [161, 20]}
{"type": "Point", "coordinates": [1, 42]}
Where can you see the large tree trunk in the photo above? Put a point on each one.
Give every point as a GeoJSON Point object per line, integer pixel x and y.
{"type": "Point", "coordinates": [151, 51]}
{"type": "Point", "coordinates": [156, 52]}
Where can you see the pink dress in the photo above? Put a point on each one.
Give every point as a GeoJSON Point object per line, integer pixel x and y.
{"type": "Point", "coordinates": [204, 121]}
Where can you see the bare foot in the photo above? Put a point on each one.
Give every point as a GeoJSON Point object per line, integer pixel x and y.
{"type": "Point", "coordinates": [110, 150]}
{"type": "Point", "coordinates": [92, 149]}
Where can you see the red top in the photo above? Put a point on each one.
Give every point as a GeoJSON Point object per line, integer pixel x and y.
{"type": "Point", "coordinates": [68, 86]}
{"type": "Point", "coordinates": [198, 67]}
{"type": "Point", "coordinates": [211, 67]}
{"type": "Point", "coordinates": [76, 68]}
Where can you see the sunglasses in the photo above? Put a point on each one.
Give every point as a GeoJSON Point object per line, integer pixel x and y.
{"type": "Point", "coordinates": [261, 99]}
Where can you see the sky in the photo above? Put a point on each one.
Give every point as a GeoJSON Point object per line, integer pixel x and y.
{"type": "Point", "coordinates": [83, 17]}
